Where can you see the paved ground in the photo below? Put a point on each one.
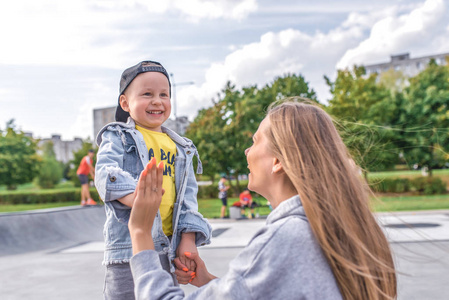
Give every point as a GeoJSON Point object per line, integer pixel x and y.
{"type": "Point", "coordinates": [420, 242]}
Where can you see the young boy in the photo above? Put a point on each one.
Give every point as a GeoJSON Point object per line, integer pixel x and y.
{"type": "Point", "coordinates": [125, 147]}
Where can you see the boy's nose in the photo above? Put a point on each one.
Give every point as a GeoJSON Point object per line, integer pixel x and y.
{"type": "Point", "coordinates": [156, 100]}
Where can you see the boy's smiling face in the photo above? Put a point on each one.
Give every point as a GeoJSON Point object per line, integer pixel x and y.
{"type": "Point", "coordinates": [147, 99]}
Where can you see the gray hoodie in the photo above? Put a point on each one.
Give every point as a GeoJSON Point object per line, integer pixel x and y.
{"type": "Point", "coordinates": [282, 261]}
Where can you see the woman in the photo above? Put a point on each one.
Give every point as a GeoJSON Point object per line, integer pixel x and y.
{"type": "Point", "coordinates": [320, 241]}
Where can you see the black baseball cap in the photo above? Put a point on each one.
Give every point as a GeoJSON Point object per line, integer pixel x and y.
{"type": "Point", "coordinates": [128, 76]}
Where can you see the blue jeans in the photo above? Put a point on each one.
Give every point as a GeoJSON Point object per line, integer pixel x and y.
{"type": "Point", "coordinates": [119, 283]}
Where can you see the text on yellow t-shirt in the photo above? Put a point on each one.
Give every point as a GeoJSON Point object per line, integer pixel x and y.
{"type": "Point", "coordinates": [161, 146]}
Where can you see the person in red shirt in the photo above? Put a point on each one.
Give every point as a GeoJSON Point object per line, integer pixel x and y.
{"type": "Point", "coordinates": [85, 168]}
{"type": "Point", "coordinates": [246, 200]}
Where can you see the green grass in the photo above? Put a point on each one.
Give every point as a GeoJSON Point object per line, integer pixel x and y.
{"type": "Point", "coordinates": [407, 173]}
{"type": "Point", "coordinates": [25, 207]}
{"type": "Point", "coordinates": [31, 187]}
{"type": "Point", "coordinates": [210, 208]}
{"type": "Point", "coordinates": [410, 203]}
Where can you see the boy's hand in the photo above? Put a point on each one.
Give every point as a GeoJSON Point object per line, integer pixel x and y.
{"type": "Point", "coordinates": [183, 274]}
{"type": "Point", "coordinates": [198, 278]}
{"type": "Point", "coordinates": [188, 266]}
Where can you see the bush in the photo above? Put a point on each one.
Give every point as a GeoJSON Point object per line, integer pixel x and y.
{"type": "Point", "coordinates": [211, 191]}
{"type": "Point", "coordinates": [208, 191]}
{"type": "Point", "coordinates": [50, 173]}
{"type": "Point", "coordinates": [429, 185]}
{"type": "Point", "coordinates": [391, 185]}
{"type": "Point", "coordinates": [47, 196]}
{"type": "Point", "coordinates": [422, 185]}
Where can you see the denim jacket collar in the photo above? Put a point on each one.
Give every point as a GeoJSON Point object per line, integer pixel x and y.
{"type": "Point", "coordinates": [181, 141]}
{"type": "Point", "coordinates": [131, 125]}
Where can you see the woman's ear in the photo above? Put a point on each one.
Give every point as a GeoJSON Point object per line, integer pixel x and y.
{"type": "Point", "coordinates": [124, 103]}
{"type": "Point", "coordinates": [277, 166]}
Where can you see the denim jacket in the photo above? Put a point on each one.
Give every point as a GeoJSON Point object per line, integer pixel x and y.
{"type": "Point", "coordinates": [121, 157]}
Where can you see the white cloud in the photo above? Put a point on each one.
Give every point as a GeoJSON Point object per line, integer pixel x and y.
{"type": "Point", "coordinates": [45, 32]}
{"type": "Point", "coordinates": [275, 54]}
{"type": "Point", "coordinates": [370, 36]}
{"type": "Point", "coordinates": [193, 9]}
{"type": "Point", "coordinates": [207, 9]}
{"type": "Point", "coordinates": [407, 32]}
{"type": "Point", "coordinates": [94, 33]}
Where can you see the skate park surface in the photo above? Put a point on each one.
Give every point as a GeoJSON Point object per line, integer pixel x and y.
{"type": "Point", "coordinates": [57, 253]}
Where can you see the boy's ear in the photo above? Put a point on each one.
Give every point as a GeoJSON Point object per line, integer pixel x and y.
{"type": "Point", "coordinates": [124, 103]}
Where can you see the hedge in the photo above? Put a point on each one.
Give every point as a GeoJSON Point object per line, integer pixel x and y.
{"type": "Point", "coordinates": [421, 185]}
{"type": "Point", "coordinates": [211, 191]}
{"type": "Point", "coordinates": [74, 194]}
{"type": "Point", "coordinates": [429, 185]}
{"type": "Point", "coordinates": [45, 196]}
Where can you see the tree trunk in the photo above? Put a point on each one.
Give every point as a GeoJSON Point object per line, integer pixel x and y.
{"type": "Point", "coordinates": [230, 183]}
{"type": "Point", "coordinates": [238, 184]}
{"type": "Point", "coordinates": [431, 160]}
{"type": "Point", "coordinates": [11, 187]}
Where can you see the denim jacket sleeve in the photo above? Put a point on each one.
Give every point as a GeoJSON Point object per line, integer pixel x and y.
{"type": "Point", "coordinates": [111, 181]}
{"type": "Point", "coordinates": [190, 220]}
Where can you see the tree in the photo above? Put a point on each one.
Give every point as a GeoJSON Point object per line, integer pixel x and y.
{"type": "Point", "coordinates": [223, 131]}
{"type": "Point", "coordinates": [50, 172]}
{"type": "Point", "coordinates": [19, 162]}
{"type": "Point", "coordinates": [366, 114]}
{"type": "Point", "coordinates": [426, 113]}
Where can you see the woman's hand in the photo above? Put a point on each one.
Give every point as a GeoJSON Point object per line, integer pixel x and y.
{"type": "Point", "coordinates": [145, 207]}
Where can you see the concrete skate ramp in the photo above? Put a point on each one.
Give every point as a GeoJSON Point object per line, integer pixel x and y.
{"type": "Point", "coordinates": [50, 229]}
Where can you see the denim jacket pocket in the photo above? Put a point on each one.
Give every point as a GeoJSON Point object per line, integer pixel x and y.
{"type": "Point", "coordinates": [131, 161]}
{"type": "Point", "coordinates": [121, 211]}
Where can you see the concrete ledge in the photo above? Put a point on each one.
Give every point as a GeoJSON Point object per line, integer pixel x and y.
{"type": "Point", "coordinates": [50, 228]}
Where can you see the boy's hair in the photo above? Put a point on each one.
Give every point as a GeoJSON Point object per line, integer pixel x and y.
{"type": "Point", "coordinates": [128, 76]}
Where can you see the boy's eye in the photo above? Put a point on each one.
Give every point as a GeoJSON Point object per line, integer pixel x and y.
{"type": "Point", "coordinates": [164, 95]}
{"type": "Point", "coordinates": [147, 94]}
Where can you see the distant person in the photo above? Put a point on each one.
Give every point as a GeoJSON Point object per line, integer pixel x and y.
{"type": "Point", "coordinates": [246, 201]}
{"type": "Point", "coordinates": [223, 188]}
{"type": "Point", "coordinates": [125, 147]}
{"type": "Point", "coordinates": [321, 240]}
{"type": "Point", "coordinates": [85, 169]}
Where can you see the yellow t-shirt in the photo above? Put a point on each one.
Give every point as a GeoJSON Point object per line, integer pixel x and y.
{"type": "Point", "coordinates": [161, 146]}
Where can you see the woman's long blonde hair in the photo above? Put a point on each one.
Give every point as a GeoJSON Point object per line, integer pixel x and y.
{"type": "Point", "coordinates": [335, 199]}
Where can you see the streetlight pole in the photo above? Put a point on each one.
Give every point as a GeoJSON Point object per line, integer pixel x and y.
{"type": "Point", "coordinates": [175, 105]}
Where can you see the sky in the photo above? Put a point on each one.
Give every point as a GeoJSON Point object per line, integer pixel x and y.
{"type": "Point", "coordinates": [59, 60]}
